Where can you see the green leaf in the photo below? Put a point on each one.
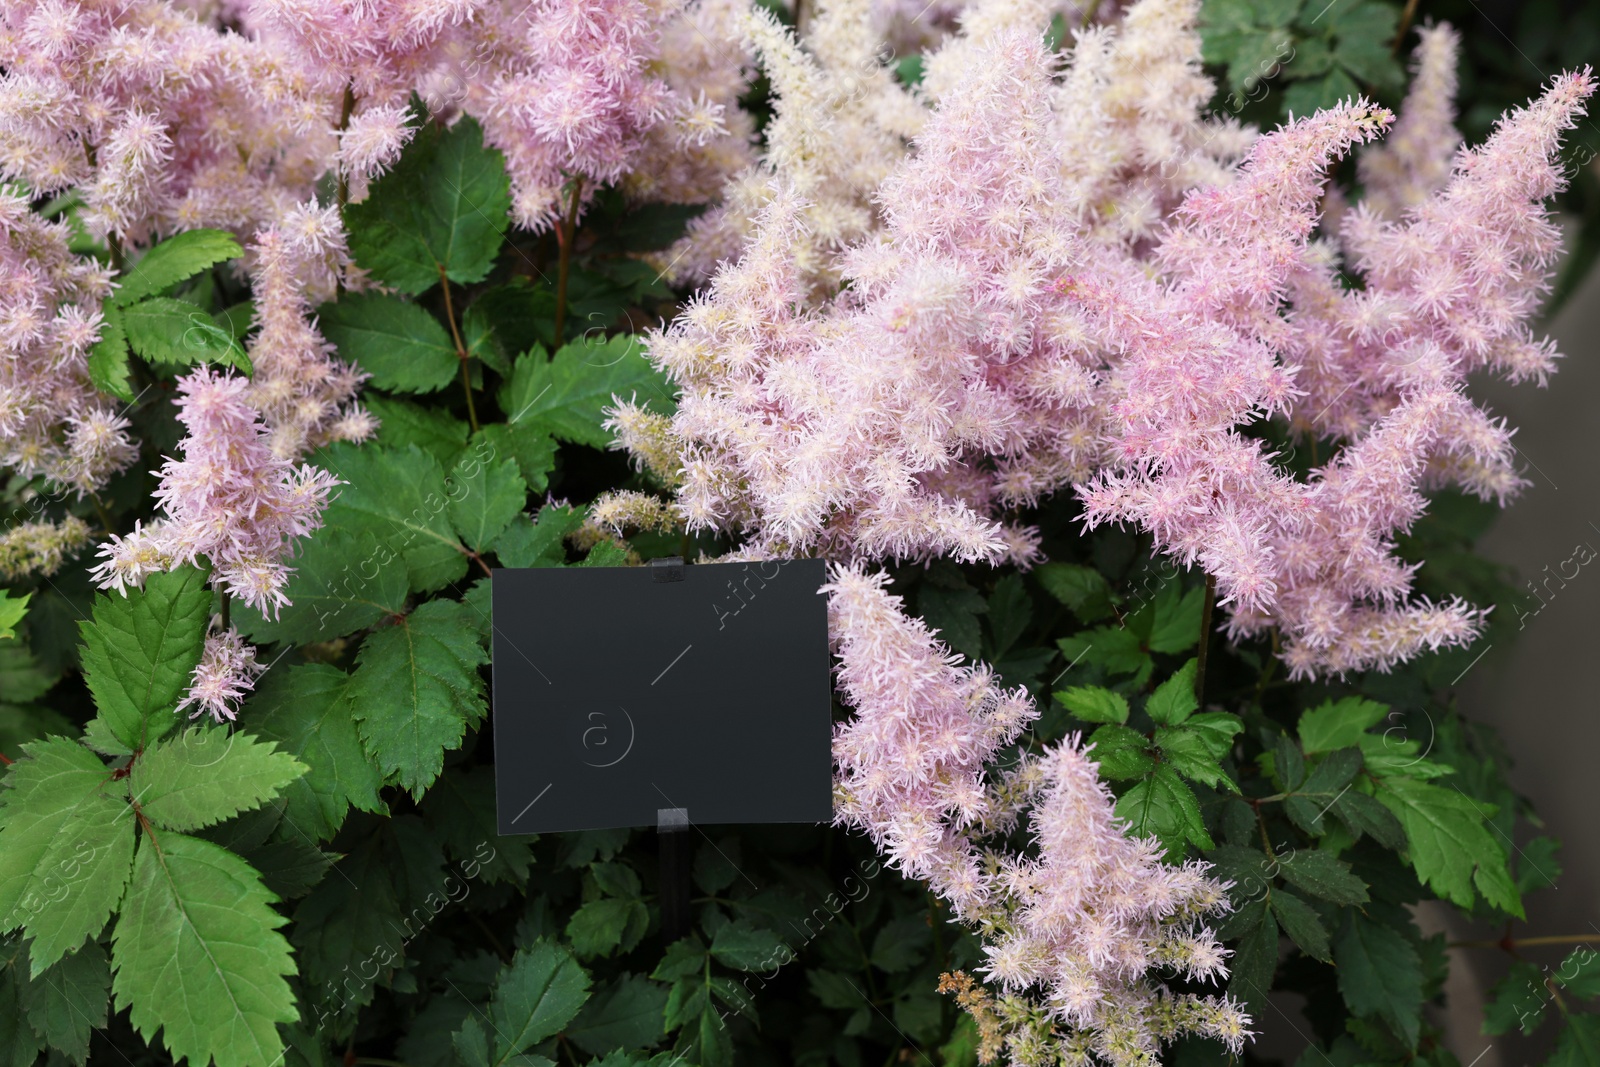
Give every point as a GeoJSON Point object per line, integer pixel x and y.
{"type": "Point", "coordinates": [1177, 620]}
{"type": "Point", "coordinates": [1322, 874]}
{"type": "Point", "coordinates": [1365, 815]}
{"type": "Point", "coordinates": [568, 393]}
{"type": "Point", "coordinates": [1517, 1000]}
{"type": "Point", "coordinates": [1580, 972]}
{"type": "Point", "coordinates": [1083, 589]}
{"type": "Point", "coordinates": [683, 958]}
{"type": "Point", "coordinates": [1339, 724]}
{"type": "Point", "coordinates": [1120, 752]}
{"type": "Point", "coordinates": [444, 208]}
{"type": "Point", "coordinates": [1197, 748]}
{"type": "Point", "coordinates": [600, 926]}
{"type": "Point", "coordinates": [69, 1000]}
{"type": "Point", "coordinates": [11, 612]}
{"type": "Point", "coordinates": [402, 346]}
{"type": "Point", "coordinates": [66, 847]}
{"type": "Point", "coordinates": [177, 332]}
{"type": "Point", "coordinates": [1117, 649]}
{"type": "Point", "coordinates": [1538, 867]}
{"type": "Point", "coordinates": [402, 423]}
{"type": "Point", "coordinates": [416, 689]}
{"type": "Point", "coordinates": [536, 996]}
{"type": "Point", "coordinates": [1579, 1042]}
{"type": "Point", "coordinates": [538, 543]}
{"type": "Point", "coordinates": [1094, 704]}
{"type": "Point", "coordinates": [1164, 807]}
{"type": "Point", "coordinates": [530, 444]}
{"type": "Point", "coordinates": [1301, 922]}
{"type": "Point", "coordinates": [198, 956]}
{"type": "Point", "coordinates": [461, 809]}
{"type": "Point", "coordinates": [952, 608]}
{"type": "Point", "coordinates": [306, 710]}
{"type": "Point", "coordinates": [290, 868]}
{"type": "Point", "coordinates": [140, 651]}
{"type": "Point", "coordinates": [178, 257]}
{"type": "Point", "coordinates": [108, 359]}
{"type": "Point", "coordinates": [1305, 97]}
{"type": "Point", "coordinates": [484, 498]}
{"type": "Point", "coordinates": [748, 948]}
{"type": "Point", "coordinates": [1451, 847]}
{"type": "Point", "coordinates": [400, 497]}
{"type": "Point", "coordinates": [1010, 611]}
{"type": "Point", "coordinates": [1379, 973]}
{"type": "Point", "coordinates": [902, 943]}
{"type": "Point", "coordinates": [207, 774]}
{"type": "Point", "coordinates": [344, 580]}
{"type": "Point", "coordinates": [1255, 958]}
{"type": "Point", "coordinates": [22, 678]}
{"type": "Point", "coordinates": [1174, 699]}
{"type": "Point", "coordinates": [628, 1015]}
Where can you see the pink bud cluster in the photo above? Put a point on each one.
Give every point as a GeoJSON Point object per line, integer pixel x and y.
{"type": "Point", "coordinates": [229, 501]}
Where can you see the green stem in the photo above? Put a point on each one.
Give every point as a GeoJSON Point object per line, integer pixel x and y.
{"type": "Point", "coordinates": [566, 230]}
{"type": "Point", "coordinates": [226, 604]}
{"type": "Point", "coordinates": [344, 124]}
{"type": "Point", "coordinates": [1205, 642]}
{"type": "Point", "coordinates": [114, 246]}
{"type": "Point", "coordinates": [1088, 16]}
{"type": "Point", "coordinates": [104, 515]}
{"type": "Point", "coordinates": [461, 349]}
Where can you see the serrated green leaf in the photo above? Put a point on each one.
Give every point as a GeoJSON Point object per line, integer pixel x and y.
{"type": "Point", "coordinates": [461, 809]}
{"type": "Point", "coordinates": [568, 393]}
{"type": "Point", "coordinates": [1301, 922]}
{"type": "Point", "coordinates": [140, 651]}
{"type": "Point", "coordinates": [1197, 748]}
{"type": "Point", "coordinates": [176, 332]}
{"type": "Point", "coordinates": [344, 580]}
{"type": "Point", "coordinates": [484, 497]}
{"type": "Point", "coordinates": [1339, 724]}
{"type": "Point", "coordinates": [19, 1045]}
{"type": "Point", "coordinates": [1517, 1001]}
{"type": "Point", "coordinates": [1578, 1044]}
{"type": "Point", "coordinates": [306, 710]}
{"type": "Point", "coordinates": [1255, 958]}
{"type": "Point", "coordinates": [11, 612]}
{"type": "Point", "coordinates": [1177, 620]}
{"type": "Point", "coordinates": [538, 543]}
{"type": "Point", "coordinates": [1451, 846]}
{"type": "Point", "coordinates": [400, 497]}
{"type": "Point", "coordinates": [416, 689]}
{"type": "Point", "coordinates": [1163, 806]}
{"type": "Point", "coordinates": [108, 359]}
{"type": "Point", "coordinates": [901, 943]}
{"type": "Point", "coordinates": [745, 947]}
{"type": "Point", "coordinates": [952, 610]}
{"type": "Point", "coordinates": [66, 847]}
{"type": "Point", "coordinates": [684, 957]}
{"type": "Point", "coordinates": [198, 956]}
{"type": "Point", "coordinates": [22, 678]}
{"type": "Point", "coordinates": [444, 208]}
{"type": "Point", "coordinates": [1379, 973]}
{"type": "Point", "coordinates": [1117, 649]}
{"type": "Point", "coordinates": [1580, 972]}
{"type": "Point", "coordinates": [1322, 874]}
{"type": "Point", "coordinates": [1306, 97]}
{"type": "Point", "coordinates": [601, 926]}
{"type": "Point", "coordinates": [180, 256]}
{"type": "Point", "coordinates": [1174, 699]}
{"type": "Point", "coordinates": [207, 774]}
{"type": "Point", "coordinates": [1537, 865]}
{"type": "Point", "coordinates": [536, 996]}
{"type": "Point", "coordinates": [1094, 704]}
{"type": "Point", "coordinates": [627, 1015]}
{"type": "Point", "coordinates": [1249, 869]}
{"type": "Point", "coordinates": [530, 444]}
{"type": "Point", "coordinates": [402, 346]}
{"type": "Point", "coordinates": [1365, 815]}
{"type": "Point", "coordinates": [69, 1000]}
{"type": "Point", "coordinates": [1009, 613]}
{"type": "Point", "coordinates": [1083, 589]}
{"type": "Point", "coordinates": [1120, 752]}
{"type": "Point", "coordinates": [402, 423]}
{"type": "Point", "coordinates": [291, 867]}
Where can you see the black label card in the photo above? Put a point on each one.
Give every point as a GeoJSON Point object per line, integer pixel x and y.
{"type": "Point", "coordinates": [629, 696]}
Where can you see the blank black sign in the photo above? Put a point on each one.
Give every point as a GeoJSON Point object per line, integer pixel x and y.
{"type": "Point", "coordinates": [619, 696]}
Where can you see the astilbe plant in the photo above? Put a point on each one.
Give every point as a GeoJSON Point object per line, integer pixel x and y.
{"type": "Point", "coordinates": [980, 309]}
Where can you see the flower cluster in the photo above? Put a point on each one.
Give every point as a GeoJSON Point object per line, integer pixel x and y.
{"type": "Point", "coordinates": [226, 672]}
{"type": "Point", "coordinates": [1083, 922]}
{"type": "Point", "coordinates": [229, 500]}
{"type": "Point", "coordinates": [53, 422]}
